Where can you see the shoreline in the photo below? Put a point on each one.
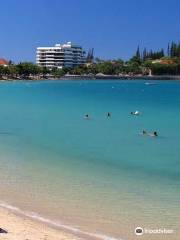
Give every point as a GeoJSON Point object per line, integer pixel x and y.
{"type": "Point", "coordinates": [20, 227]}
{"type": "Point", "coordinates": [114, 77]}
{"type": "Point", "coordinates": [86, 77]}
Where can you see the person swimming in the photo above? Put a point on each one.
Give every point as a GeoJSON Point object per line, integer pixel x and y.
{"type": "Point", "coordinates": [86, 116]}
{"type": "Point", "coordinates": [144, 132]}
{"type": "Point", "coordinates": [154, 134]}
{"type": "Point", "coordinates": [108, 114]}
{"type": "Point", "coordinates": [136, 113]}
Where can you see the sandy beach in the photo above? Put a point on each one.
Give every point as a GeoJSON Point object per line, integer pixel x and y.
{"type": "Point", "coordinates": [23, 228]}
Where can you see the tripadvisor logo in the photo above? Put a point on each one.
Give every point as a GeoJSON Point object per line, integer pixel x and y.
{"type": "Point", "coordinates": [139, 231]}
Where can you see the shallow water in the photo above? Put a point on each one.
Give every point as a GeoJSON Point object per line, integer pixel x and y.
{"type": "Point", "coordinates": [100, 175]}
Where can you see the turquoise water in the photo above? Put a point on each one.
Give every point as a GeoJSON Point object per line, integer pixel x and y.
{"type": "Point", "coordinates": [100, 176]}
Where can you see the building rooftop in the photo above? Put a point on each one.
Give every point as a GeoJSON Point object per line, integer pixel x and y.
{"type": "Point", "coordinates": [3, 61]}
{"type": "Point", "coordinates": [58, 45]}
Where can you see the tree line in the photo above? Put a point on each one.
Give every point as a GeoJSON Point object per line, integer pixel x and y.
{"type": "Point", "coordinates": [160, 62]}
{"type": "Point", "coordinates": [173, 50]}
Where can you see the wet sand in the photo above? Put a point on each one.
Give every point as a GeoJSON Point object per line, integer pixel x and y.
{"type": "Point", "coordinates": [23, 228]}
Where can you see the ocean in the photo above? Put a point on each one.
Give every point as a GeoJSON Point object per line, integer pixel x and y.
{"type": "Point", "coordinates": [100, 178]}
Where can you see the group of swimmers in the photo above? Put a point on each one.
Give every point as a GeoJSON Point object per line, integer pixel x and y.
{"type": "Point", "coordinates": [86, 116]}
{"type": "Point", "coordinates": [144, 132]}
{"type": "Point", "coordinates": [154, 134]}
{"type": "Point", "coordinates": [136, 113]}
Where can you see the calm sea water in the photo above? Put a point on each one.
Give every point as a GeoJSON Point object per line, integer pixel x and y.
{"type": "Point", "coordinates": [97, 176]}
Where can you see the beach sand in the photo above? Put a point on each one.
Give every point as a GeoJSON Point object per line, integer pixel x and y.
{"type": "Point", "coordinates": [23, 228]}
{"type": "Point", "coordinates": [20, 227]}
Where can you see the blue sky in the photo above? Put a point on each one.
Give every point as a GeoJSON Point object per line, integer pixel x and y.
{"type": "Point", "coordinates": [113, 27]}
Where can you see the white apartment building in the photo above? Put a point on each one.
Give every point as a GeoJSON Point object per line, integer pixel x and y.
{"type": "Point", "coordinates": [59, 56]}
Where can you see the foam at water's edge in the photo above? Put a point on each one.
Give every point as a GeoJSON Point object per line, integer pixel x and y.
{"type": "Point", "coordinates": [55, 223]}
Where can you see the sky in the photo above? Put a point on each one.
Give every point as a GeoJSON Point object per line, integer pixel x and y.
{"type": "Point", "coordinates": [114, 28]}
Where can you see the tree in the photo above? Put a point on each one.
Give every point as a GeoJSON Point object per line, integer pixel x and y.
{"type": "Point", "coordinates": [27, 68]}
{"type": "Point", "coordinates": [168, 50]}
{"type": "Point", "coordinates": [57, 72]}
{"type": "Point", "coordinates": [173, 49]}
{"type": "Point", "coordinates": [144, 54]}
{"type": "Point", "coordinates": [135, 59]}
{"type": "Point", "coordinates": [138, 54]}
{"type": "Point", "coordinates": [90, 56]}
{"type": "Point", "coordinates": [106, 68]}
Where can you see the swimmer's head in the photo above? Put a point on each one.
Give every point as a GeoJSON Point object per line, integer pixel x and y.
{"type": "Point", "coordinates": [155, 134]}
